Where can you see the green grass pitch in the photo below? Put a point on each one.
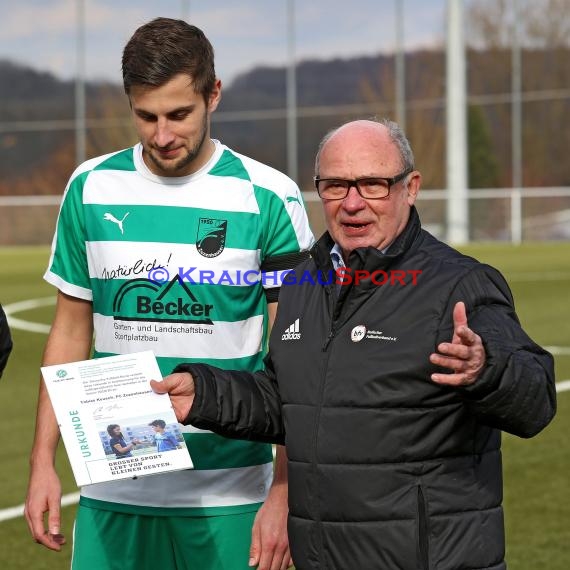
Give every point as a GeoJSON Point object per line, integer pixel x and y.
{"type": "Point", "coordinates": [536, 472]}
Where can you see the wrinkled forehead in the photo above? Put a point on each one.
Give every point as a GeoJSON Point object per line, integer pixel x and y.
{"type": "Point", "coordinates": [360, 149]}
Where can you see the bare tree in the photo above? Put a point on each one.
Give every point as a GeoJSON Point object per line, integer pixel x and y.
{"type": "Point", "coordinates": [548, 23]}
{"type": "Point", "coordinates": [542, 24]}
{"type": "Point", "coordinates": [489, 24]}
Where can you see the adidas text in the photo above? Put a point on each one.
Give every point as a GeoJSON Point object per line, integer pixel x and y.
{"type": "Point", "coordinates": [292, 332]}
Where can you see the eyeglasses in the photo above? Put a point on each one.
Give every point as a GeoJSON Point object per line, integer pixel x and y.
{"type": "Point", "coordinates": [372, 188]}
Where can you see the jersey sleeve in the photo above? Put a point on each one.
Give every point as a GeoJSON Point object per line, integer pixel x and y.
{"type": "Point", "coordinates": [287, 236]}
{"type": "Point", "coordinates": [68, 268]}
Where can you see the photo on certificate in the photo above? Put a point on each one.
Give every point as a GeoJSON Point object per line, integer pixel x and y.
{"type": "Point", "coordinates": [141, 435]}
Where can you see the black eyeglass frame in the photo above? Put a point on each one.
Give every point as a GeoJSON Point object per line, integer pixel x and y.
{"type": "Point", "coordinates": [355, 182]}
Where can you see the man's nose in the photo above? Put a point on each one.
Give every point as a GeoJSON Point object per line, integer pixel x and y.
{"type": "Point", "coordinates": [164, 135]}
{"type": "Point", "coordinates": [353, 201]}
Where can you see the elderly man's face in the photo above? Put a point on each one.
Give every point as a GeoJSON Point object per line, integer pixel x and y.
{"type": "Point", "coordinates": [358, 150]}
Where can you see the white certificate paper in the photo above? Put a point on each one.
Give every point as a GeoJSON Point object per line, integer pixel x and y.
{"type": "Point", "coordinates": [104, 408]}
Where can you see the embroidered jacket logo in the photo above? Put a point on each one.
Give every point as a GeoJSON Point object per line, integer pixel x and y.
{"type": "Point", "coordinates": [358, 333]}
{"type": "Point", "coordinates": [292, 332]}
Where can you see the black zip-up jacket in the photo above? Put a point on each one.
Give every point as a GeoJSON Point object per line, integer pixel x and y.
{"type": "Point", "coordinates": [5, 341]}
{"type": "Point", "coordinates": [388, 470]}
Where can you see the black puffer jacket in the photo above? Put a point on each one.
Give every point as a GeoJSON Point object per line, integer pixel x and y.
{"type": "Point", "coordinates": [5, 341]}
{"type": "Point", "coordinates": [388, 470]}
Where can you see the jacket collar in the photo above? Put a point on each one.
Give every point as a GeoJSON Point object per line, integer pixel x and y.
{"type": "Point", "coordinates": [369, 257]}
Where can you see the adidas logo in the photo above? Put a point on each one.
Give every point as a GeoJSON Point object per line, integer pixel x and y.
{"type": "Point", "coordinates": [292, 332]}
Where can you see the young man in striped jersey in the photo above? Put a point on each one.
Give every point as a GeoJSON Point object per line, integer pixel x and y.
{"type": "Point", "coordinates": [156, 247]}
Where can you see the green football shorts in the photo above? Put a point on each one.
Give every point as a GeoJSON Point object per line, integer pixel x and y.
{"type": "Point", "coordinates": [108, 540]}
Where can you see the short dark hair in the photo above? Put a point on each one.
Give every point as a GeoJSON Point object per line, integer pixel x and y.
{"type": "Point", "coordinates": [158, 423]}
{"type": "Point", "coordinates": [111, 428]}
{"type": "Point", "coordinates": [163, 48]}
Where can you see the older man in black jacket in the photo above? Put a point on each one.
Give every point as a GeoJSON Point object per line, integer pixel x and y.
{"type": "Point", "coordinates": [5, 341]}
{"type": "Point", "coordinates": [394, 364]}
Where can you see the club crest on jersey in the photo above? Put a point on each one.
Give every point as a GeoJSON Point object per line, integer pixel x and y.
{"type": "Point", "coordinates": [211, 236]}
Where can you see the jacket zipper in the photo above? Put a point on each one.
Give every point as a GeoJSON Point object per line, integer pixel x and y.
{"type": "Point", "coordinates": [422, 530]}
{"type": "Point", "coordinates": [319, 409]}
{"type": "Point", "coordinates": [328, 339]}
{"type": "Point", "coordinates": [331, 301]}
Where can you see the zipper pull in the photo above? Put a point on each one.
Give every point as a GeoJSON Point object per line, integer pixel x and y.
{"type": "Point", "coordinates": [328, 340]}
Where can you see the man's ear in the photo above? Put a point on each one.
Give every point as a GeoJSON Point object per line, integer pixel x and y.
{"type": "Point", "coordinates": [215, 96]}
{"type": "Point", "coordinates": [414, 184]}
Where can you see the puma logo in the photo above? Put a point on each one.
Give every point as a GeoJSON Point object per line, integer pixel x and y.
{"type": "Point", "coordinates": [111, 218]}
{"type": "Point", "coordinates": [293, 199]}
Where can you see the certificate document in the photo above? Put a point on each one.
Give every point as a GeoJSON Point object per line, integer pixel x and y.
{"type": "Point", "coordinates": [112, 423]}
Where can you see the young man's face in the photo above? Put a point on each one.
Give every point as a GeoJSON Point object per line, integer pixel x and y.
{"type": "Point", "coordinates": [173, 125]}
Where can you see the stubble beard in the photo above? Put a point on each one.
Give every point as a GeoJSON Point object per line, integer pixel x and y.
{"type": "Point", "coordinates": [191, 154]}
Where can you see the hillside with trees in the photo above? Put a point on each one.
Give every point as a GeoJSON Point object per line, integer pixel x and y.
{"type": "Point", "coordinates": [38, 155]}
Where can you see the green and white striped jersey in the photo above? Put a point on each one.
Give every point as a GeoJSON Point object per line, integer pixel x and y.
{"type": "Point", "coordinates": [174, 265]}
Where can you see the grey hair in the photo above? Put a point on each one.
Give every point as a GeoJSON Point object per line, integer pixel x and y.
{"type": "Point", "coordinates": [396, 134]}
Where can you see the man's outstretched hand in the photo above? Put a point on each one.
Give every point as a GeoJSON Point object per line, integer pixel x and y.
{"type": "Point", "coordinates": [180, 388]}
{"type": "Point", "coordinates": [465, 354]}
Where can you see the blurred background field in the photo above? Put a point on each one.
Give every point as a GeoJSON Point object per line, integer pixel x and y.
{"type": "Point", "coordinates": [537, 494]}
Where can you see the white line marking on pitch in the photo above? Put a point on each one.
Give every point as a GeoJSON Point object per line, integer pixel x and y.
{"type": "Point", "coordinates": [563, 386]}
{"type": "Point", "coordinates": [28, 305]}
{"type": "Point", "coordinates": [558, 350]}
{"type": "Point", "coordinates": [513, 276]}
{"type": "Point", "coordinates": [15, 512]}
